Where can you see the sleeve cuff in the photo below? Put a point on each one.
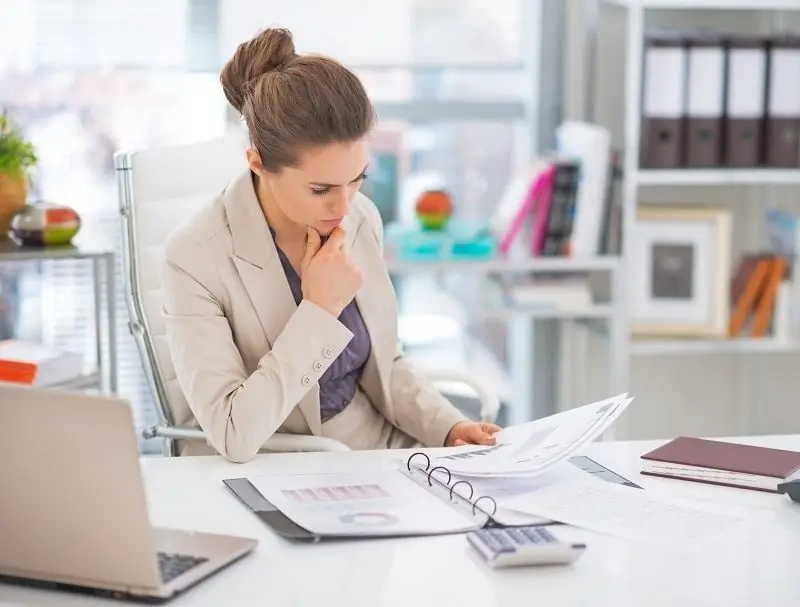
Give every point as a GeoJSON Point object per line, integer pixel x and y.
{"type": "Point", "coordinates": [443, 423]}
{"type": "Point", "coordinates": [310, 342]}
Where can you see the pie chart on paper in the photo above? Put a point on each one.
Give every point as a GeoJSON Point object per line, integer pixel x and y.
{"type": "Point", "coordinates": [368, 519]}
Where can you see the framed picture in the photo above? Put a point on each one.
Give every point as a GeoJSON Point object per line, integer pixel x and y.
{"type": "Point", "coordinates": [680, 273]}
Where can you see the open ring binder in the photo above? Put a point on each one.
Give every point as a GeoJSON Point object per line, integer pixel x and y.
{"type": "Point", "coordinates": [473, 503]}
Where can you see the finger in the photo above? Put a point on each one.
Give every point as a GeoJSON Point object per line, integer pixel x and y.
{"type": "Point", "coordinates": [335, 239]}
{"type": "Point", "coordinates": [490, 428]}
{"type": "Point", "coordinates": [459, 443]}
{"type": "Point", "coordinates": [488, 439]}
{"type": "Point", "coordinates": [312, 247]}
{"type": "Point", "coordinates": [313, 242]}
{"type": "Point", "coordinates": [480, 437]}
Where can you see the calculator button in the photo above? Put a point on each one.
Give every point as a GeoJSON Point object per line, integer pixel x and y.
{"type": "Point", "coordinates": [521, 537]}
{"type": "Point", "coordinates": [496, 541]}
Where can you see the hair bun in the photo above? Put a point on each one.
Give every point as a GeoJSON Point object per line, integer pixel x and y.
{"type": "Point", "coordinates": [270, 50]}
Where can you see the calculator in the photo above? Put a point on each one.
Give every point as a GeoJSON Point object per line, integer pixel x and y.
{"type": "Point", "coordinates": [520, 546]}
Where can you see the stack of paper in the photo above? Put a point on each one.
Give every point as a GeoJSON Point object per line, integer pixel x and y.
{"type": "Point", "coordinates": [651, 517]}
{"type": "Point", "coordinates": [532, 448]}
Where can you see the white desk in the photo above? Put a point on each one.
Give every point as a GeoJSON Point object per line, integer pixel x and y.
{"type": "Point", "coordinates": [759, 568]}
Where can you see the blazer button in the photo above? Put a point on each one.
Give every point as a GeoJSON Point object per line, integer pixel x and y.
{"type": "Point", "coordinates": [317, 366]}
{"type": "Point", "coordinates": [306, 380]}
{"type": "Point", "coordinates": [327, 352]}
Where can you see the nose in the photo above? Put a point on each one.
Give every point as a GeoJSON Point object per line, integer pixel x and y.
{"type": "Point", "coordinates": [340, 203]}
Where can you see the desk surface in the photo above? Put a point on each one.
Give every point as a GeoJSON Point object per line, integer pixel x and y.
{"type": "Point", "coordinates": [759, 568]}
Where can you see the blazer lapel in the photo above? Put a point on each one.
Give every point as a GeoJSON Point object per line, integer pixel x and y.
{"type": "Point", "coordinates": [256, 259]}
{"type": "Point", "coordinates": [377, 311]}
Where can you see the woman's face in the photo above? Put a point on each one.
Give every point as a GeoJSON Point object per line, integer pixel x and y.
{"type": "Point", "coordinates": [318, 191]}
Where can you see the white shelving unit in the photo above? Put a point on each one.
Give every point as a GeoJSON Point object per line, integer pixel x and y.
{"type": "Point", "coordinates": [717, 177]}
{"type": "Point", "coordinates": [520, 372]}
{"type": "Point", "coordinates": [682, 5]}
{"type": "Point", "coordinates": [634, 178]}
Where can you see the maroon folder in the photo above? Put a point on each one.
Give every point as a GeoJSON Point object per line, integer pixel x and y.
{"type": "Point", "coordinates": [722, 463]}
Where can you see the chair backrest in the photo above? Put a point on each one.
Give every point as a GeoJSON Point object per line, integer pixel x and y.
{"type": "Point", "coordinates": [159, 189]}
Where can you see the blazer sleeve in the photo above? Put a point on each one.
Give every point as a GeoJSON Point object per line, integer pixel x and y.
{"type": "Point", "coordinates": [419, 407]}
{"type": "Point", "coordinates": [237, 412]}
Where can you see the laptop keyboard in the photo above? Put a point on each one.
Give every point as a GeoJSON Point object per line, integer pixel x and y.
{"type": "Point", "coordinates": [173, 565]}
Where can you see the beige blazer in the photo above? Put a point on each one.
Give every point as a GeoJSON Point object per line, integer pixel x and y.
{"type": "Point", "coordinates": [248, 359]}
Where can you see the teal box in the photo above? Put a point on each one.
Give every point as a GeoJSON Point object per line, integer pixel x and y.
{"type": "Point", "coordinates": [458, 241]}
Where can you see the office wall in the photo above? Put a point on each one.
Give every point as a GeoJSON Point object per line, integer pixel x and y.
{"type": "Point", "coordinates": [702, 394]}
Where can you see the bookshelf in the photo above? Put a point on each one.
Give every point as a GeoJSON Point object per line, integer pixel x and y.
{"type": "Point", "coordinates": [616, 37]}
{"type": "Point", "coordinates": [103, 377]}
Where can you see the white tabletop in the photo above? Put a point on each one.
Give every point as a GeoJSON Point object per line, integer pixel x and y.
{"type": "Point", "coordinates": [762, 567]}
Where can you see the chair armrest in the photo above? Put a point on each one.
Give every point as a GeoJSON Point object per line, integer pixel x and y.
{"type": "Point", "coordinates": [283, 441]}
{"type": "Point", "coordinates": [277, 443]}
{"type": "Point", "coordinates": [489, 402]}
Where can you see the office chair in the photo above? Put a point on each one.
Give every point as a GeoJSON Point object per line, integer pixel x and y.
{"type": "Point", "coordinates": [158, 189]}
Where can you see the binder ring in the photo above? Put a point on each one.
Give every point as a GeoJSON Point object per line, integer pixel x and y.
{"type": "Point", "coordinates": [413, 455]}
{"type": "Point", "coordinates": [468, 484]}
{"type": "Point", "coordinates": [482, 497]}
{"type": "Point", "coordinates": [434, 469]}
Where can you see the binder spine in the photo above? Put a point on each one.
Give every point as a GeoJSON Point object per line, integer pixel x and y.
{"type": "Point", "coordinates": [451, 486]}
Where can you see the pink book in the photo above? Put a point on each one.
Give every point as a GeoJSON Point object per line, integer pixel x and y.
{"type": "Point", "coordinates": [537, 197]}
{"type": "Point", "coordinates": [542, 211]}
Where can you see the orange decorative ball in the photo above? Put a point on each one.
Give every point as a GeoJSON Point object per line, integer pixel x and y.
{"type": "Point", "coordinates": [434, 208]}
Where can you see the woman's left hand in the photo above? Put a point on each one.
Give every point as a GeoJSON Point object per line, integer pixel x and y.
{"type": "Point", "coordinates": [471, 433]}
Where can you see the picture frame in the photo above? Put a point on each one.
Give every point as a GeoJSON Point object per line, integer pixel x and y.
{"type": "Point", "coordinates": [680, 273]}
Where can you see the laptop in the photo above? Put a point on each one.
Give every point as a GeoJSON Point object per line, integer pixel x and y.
{"type": "Point", "coordinates": [73, 513]}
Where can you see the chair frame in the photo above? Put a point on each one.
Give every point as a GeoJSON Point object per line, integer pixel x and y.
{"type": "Point", "coordinates": [166, 428]}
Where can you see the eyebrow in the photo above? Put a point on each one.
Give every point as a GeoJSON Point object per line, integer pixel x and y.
{"type": "Point", "coordinates": [334, 185]}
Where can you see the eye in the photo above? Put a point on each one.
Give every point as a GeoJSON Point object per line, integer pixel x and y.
{"type": "Point", "coordinates": [320, 192]}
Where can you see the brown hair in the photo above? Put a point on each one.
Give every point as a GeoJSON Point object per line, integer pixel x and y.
{"type": "Point", "coordinates": [290, 101]}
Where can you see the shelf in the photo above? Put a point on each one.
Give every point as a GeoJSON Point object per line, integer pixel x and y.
{"type": "Point", "coordinates": [690, 177]}
{"type": "Point", "coordinates": [712, 346]}
{"type": "Point", "coordinates": [90, 380]}
{"type": "Point", "coordinates": [752, 5]}
{"type": "Point", "coordinates": [506, 266]}
{"type": "Point", "coordinates": [604, 312]}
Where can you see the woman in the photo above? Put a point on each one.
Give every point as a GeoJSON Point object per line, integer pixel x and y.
{"type": "Point", "coordinates": [279, 311]}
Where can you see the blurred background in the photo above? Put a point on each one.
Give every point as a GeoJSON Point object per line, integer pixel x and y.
{"type": "Point", "coordinates": [469, 93]}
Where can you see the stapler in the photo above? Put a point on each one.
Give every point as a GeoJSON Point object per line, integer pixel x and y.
{"type": "Point", "coordinates": [792, 489]}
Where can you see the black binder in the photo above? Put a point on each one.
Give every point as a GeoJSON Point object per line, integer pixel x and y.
{"type": "Point", "coordinates": [458, 494]}
{"type": "Point", "coordinates": [783, 104]}
{"type": "Point", "coordinates": [663, 101]}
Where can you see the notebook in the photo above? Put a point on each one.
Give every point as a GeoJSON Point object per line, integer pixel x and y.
{"type": "Point", "coordinates": [722, 463]}
{"type": "Point", "coordinates": [425, 494]}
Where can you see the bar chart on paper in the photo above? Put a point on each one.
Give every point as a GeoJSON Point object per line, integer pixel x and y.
{"type": "Point", "coordinates": [335, 494]}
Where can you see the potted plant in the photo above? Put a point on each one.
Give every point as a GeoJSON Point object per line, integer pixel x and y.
{"type": "Point", "coordinates": [17, 158]}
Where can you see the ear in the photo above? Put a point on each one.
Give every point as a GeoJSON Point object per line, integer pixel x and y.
{"type": "Point", "coordinates": [254, 161]}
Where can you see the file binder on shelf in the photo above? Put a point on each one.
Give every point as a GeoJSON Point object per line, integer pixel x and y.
{"type": "Point", "coordinates": [783, 104]}
{"type": "Point", "coordinates": [745, 101]}
{"type": "Point", "coordinates": [705, 101]}
{"type": "Point", "coordinates": [664, 84]}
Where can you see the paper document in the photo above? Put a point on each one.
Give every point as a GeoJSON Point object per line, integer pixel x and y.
{"type": "Point", "coordinates": [362, 503]}
{"type": "Point", "coordinates": [532, 448]}
{"type": "Point", "coordinates": [503, 489]}
{"type": "Point", "coordinates": [634, 514]}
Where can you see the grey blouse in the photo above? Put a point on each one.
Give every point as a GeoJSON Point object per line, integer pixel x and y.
{"type": "Point", "coordinates": [338, 384]}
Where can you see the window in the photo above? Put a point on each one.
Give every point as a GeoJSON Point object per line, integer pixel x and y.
{"type": "Point", "coordinates": [449, 79]}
